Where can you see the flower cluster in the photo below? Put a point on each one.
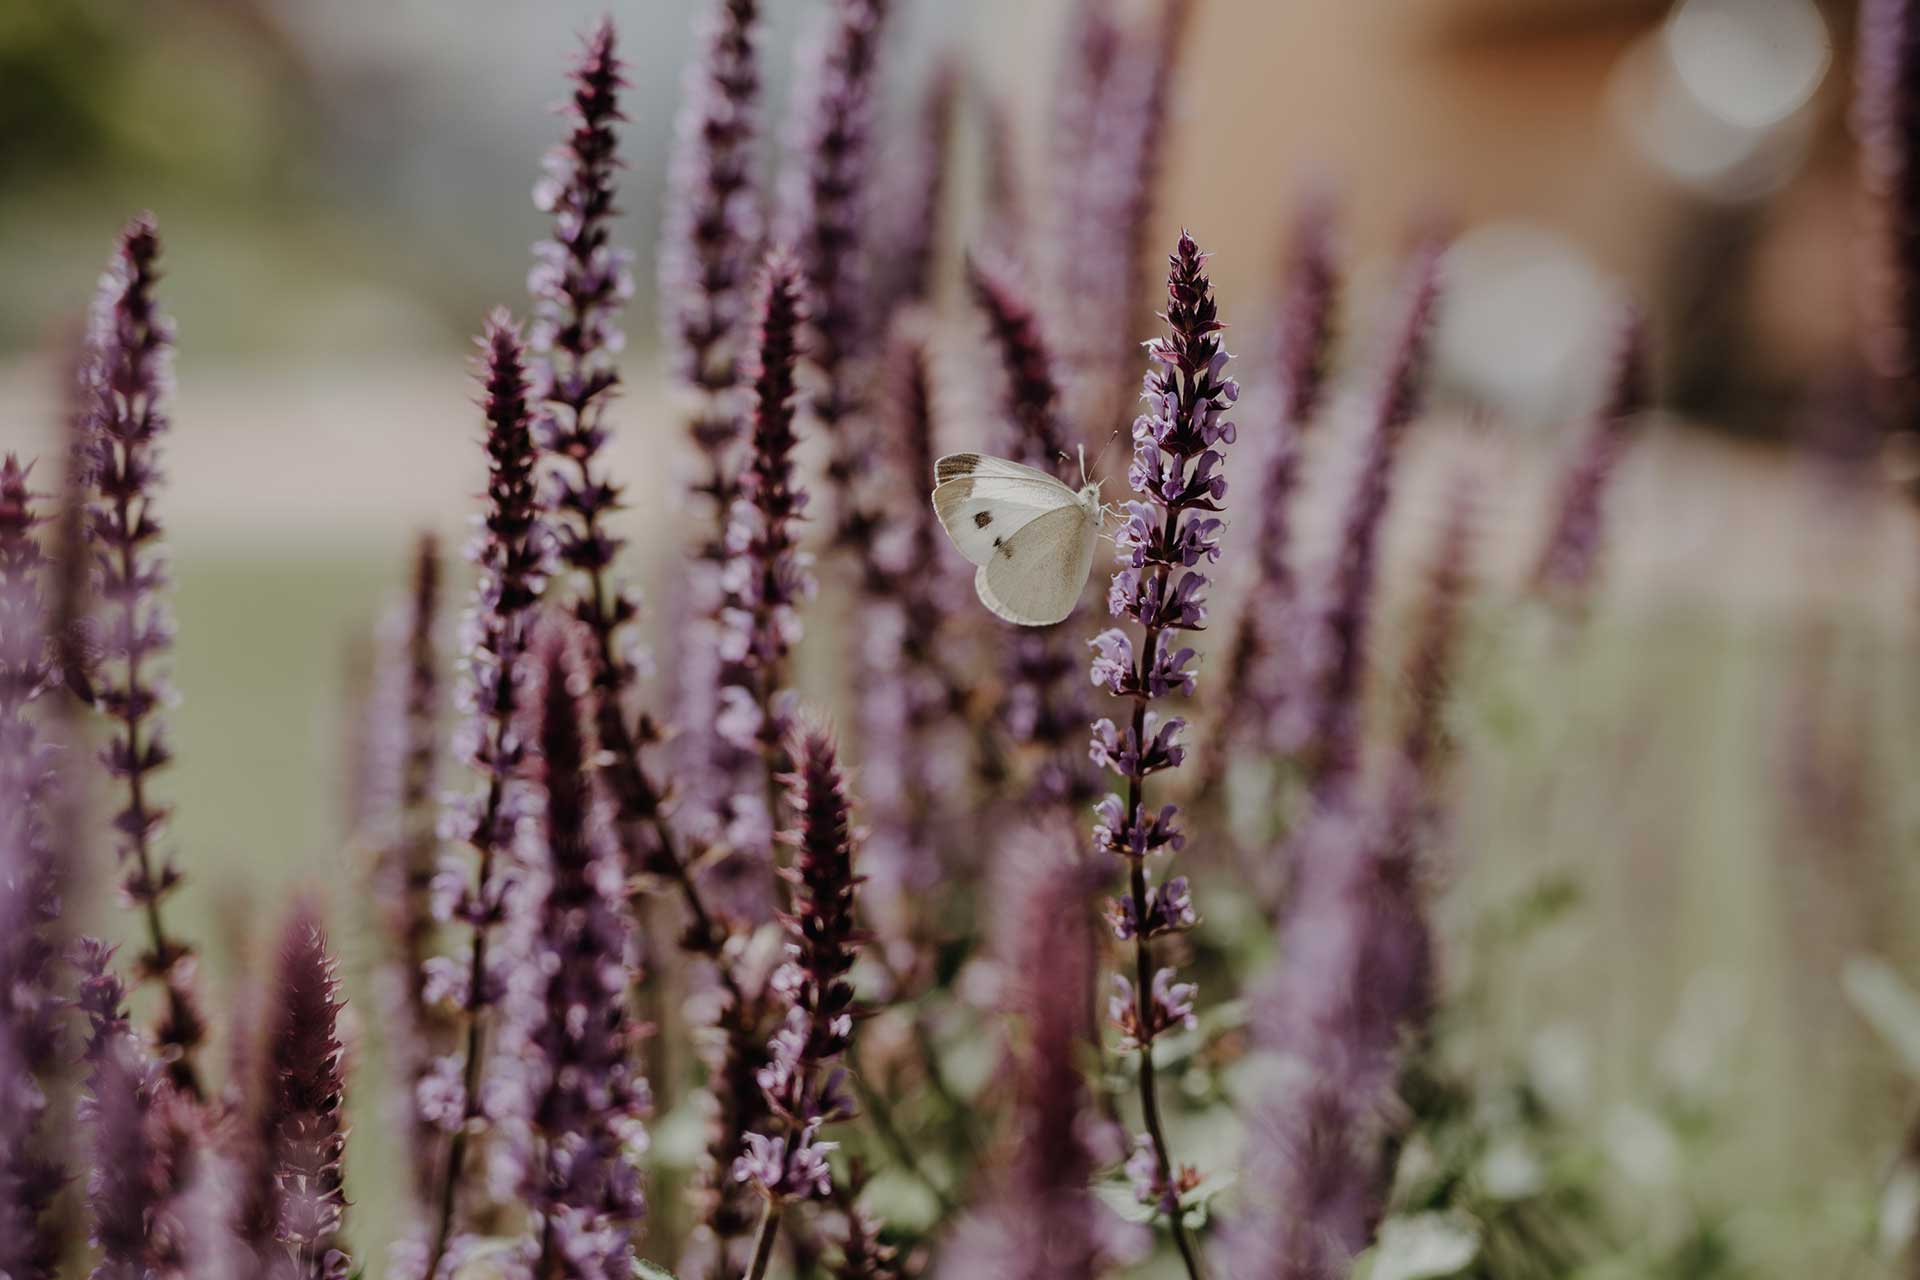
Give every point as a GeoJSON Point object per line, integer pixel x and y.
{"type": "Point", "coordinates": [824, 216]}
{"type": "Point", "coordinates": [1571, 555]}
{"type": "Point", "coordinates": [766, 577]}
{"type": "Point", "coordinates": [129, 377]}
{"type": "Point", "coordinates": [803, 1088]}
{"type": "Point", "coordinates": [403, 765]}
{"type": "Point", "coordinates": [31, 1045]}
{"type": "Point", "coordinates": [294, 1202]}
{"type": "Point", "coordinates": [1260, 667]}
{"type": "Point", "coordinates": [511, 553]}
{"type": "Point", "coordinates": [1169, 532]}
{"type": "Point", "coordinates": [1339, 646]}
{"type": "Point", "coordinates": [568, 1060]}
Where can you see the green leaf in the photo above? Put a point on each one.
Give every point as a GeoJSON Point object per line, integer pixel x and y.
{"type": "Point", "coordinates": [1879, 995]}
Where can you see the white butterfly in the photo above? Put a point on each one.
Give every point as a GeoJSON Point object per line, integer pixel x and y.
{"type": "Point", "coordinates": [1030, 534]}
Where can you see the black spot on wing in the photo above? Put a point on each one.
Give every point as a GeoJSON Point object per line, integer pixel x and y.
{"type": "Point", "coordinates": [981, 519]}
{"type": "Point", "coordinates": [954, 466]}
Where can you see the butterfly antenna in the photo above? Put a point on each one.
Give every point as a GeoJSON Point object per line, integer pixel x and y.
{"type": "Point", "coordinates": [1083, 464]}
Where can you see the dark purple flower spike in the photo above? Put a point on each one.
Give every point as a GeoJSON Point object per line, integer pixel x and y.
{"type": "Point", "coordinates": [293, 1199]}
{"type": "Point", "coordinates": [404, 772]}
{"type": "Point", "coordinates": [1886, 99]}
{"type": "Point", "coordinates": [569, 1046]}
{"type": "Point", "coordinates": [129, 378]}
{"type": "Point", "coordinates": [802, 1081]}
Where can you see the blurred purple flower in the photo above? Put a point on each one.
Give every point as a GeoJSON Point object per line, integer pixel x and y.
{"type": "Point", "coordinates": [1569, 559]}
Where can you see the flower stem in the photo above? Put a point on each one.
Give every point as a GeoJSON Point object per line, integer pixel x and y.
{"type": "Point", "coordinates": [763, 1242]}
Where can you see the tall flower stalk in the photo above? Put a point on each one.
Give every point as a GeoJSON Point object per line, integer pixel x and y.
{"type": "Point", "coordinates": [766, 576]}
{"type": "Point", "coordinates": [1569, 559]}
{"type": "Point", "coordinates": [129, 377]}
{"type": "Point", "coordinates": [825, 216]}
{"type": "Point", "coordinates": [569, 1053]}
{"type": "Point", "coordinates": [1261, 657]}
{"type": "Point", "coordinates": [404, 752]}
{"type": "Point", "coordinates": [511, 554]}
{"type": "Point", "coordinates": [293, 1200]}
{"type": "Point", "coordinates": [1169, 531]}
{"type": "Point", "coordinates": [31, 1040]}
{"type": "Point", "coordinates": [1886, 97]}
{"type": "Point", "coordinates": [1334, 708]}
{"type": "Point", "coordinates": [803, 1086]}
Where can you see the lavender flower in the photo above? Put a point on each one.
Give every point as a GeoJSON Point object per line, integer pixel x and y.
{"type": "Point", "coordinates": [825, 216]}
{"type": "Point", "coordinates": [1436, 637]}
{"type": "Point", "coordinates": [1176, 465]}
{"type": "Point", "coordinates": [1356, 974]}
{"type": "Point", "coordinates": [569, 1051]}
{"type": "Point", "coordinates": [802, 1086]}
{"type": "Point", "coordinates": [404, 766]}
{"type": "Point", "coordinates": [912, 200]}
{"type": "Point", "coordinates": [1043, 705]}
{"type": "Point", "coordinates": [1261, 658]}
{"type": "Point", "coordinates": [579, 282]}
{"type": "Point", "coordinates": [510, 553]}
{"type": "Point", "coordinates": [1339, 650]}
{"type": "Point", "coordinates": [30, 883]}
{"type": "Point", "coordinates": [1570, 557]}
{"type": "Point", "coordinates": [1111, 120]}
{"type": "Point", "coordinates": [1886, 79]}
{"type": "Point", "coordinates": [145, 1136]}
{"type": "Point", "coordinates": [712, 218]}
{"type": "Point", "coordinates": [293, 1200]}
{"type": "Point", "coordinates": [1043, 1222]}
{"type": "Point", "coordinates": [712, 226]}
{"type": "Point", "coordinates": [914, 759]}
{"type": "Point", "coordinates": [766, 576]}
{"type": "Point", "coordinates": [129, 378]}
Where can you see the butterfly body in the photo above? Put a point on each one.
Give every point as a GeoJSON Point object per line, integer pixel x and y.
{"type": "Point", "coordinates": [1031, 536]}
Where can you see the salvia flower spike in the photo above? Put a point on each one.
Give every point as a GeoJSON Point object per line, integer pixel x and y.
{"type": "Point", "coordinates": [803, 1084]}
{"type": "Point", "coordinates": [568, 1059]}
{"type": "Point", "coordinates": [1170, 530]}
{"type": "Point", "coordinates": [511, 553]}
{"type": "Point", "coordinates": [129, 379]}
{"type": "Point", "coordinates": [31, 1040]}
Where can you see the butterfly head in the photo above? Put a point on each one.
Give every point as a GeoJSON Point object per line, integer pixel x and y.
{"type": "Point", "coordinates": [1090, 501]}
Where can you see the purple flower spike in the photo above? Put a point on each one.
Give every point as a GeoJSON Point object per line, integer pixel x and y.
{"type": "Point", "coordinates": [578, 1102]}
{"type": "Point", "coordinates": [1885, 92]}
{"type": "Point", "coordinates": [803, 1083]}
{"type": "Point", "coordinates": [1569, 561]}
{"type": "Point", "coordinates": [766, 577]}
{"type": "Point", "coordinates": [1336, 686]}
{"type": "Point", "coordinates": [1262, 681]}
{"type": "Point", "coordinates": [1042, 1220]}
{"type": "Point", "coordinates": [825, 217]}
{"type": "Point", "coordinates": [293, 1200]}
{"type": "Point", "coordinates": [1177, 455]}
{"type": "Point", "coordinates": [129, 378]}
{"type": "Point", "coordinates": [31, 1043]}
{"type": "Point", "coordinates": [511, 554]}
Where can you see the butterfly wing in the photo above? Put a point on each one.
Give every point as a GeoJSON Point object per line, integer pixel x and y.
{"type": "Point", "coordinates": [1037, 575]}
{"type": "Point", "coordinates": [983, 502]}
